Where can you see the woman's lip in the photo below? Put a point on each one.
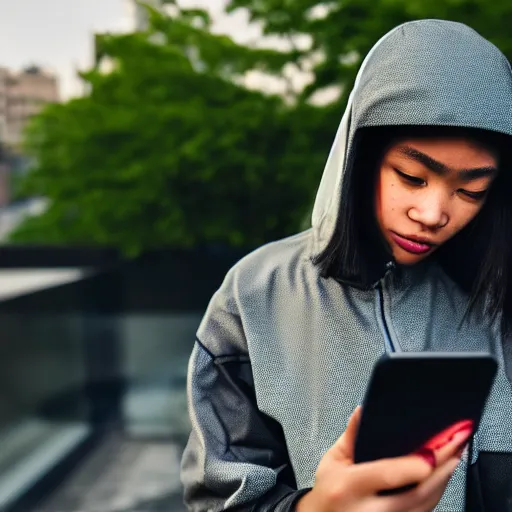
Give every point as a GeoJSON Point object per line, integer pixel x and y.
{"type": "Point", "coordinates": [411, 246]}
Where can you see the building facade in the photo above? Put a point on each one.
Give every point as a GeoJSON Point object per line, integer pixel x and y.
{"type": "Point", "coordinates": [4, 75]}
{"type": "Point", "coordinates": [22, 95]}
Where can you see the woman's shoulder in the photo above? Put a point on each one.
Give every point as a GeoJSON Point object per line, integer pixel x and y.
{"type": "Point", "coordinates": [251, 287]}
{"type": "Point", "coordinates": [265, 263]}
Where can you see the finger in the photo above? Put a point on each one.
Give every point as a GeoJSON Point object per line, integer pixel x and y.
{"type": "Point", "coordinates": [427, 494]}
{"type": "Point", "coordinates": [433, 488]}
{"type": "Point", "coordinates": [343, 448]}
{"type": "Point", "coordinates": [445, 445]}
{"type": "Point", "coordinates": [386, 474]}
{"type": "Point", "coordinates": [454, 445]}
{"type": "Point", "coordinates": [457, 432]}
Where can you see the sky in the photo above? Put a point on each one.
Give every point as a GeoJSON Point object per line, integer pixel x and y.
{"type": "Point", "coordinates": [58, 34]}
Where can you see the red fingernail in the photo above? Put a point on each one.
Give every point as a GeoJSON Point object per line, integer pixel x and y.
{"type": "Point", "coordinates": [427, 455]}
{"type": "Point", "coordinates": [463, 428]}
{"type": "Point", "coordinates": [462, 436]}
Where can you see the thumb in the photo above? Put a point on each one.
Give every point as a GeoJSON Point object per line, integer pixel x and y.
{"type": "Point", "coordinates": [343, 449]}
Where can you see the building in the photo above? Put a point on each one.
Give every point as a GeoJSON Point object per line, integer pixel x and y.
{"type": "Point", "coordinates": [22, 95]}
{"type": "Point", "coordinates": [4, 75]}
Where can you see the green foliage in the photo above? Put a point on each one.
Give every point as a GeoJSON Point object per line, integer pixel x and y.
{"type": "Point", "coordinates": [169, 149]}
{"type": "Point", "coordinates": [343, 31]}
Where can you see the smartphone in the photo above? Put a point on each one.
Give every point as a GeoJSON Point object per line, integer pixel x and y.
{"type": "Point", "coordinates": [412, 397]}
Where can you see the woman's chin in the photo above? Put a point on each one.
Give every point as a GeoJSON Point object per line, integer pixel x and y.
{"type": "Point", "coordinates": [403, 257]}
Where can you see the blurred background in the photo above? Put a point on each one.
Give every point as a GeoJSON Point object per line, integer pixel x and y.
{"type": "Point", "coordinates": [144, 149]}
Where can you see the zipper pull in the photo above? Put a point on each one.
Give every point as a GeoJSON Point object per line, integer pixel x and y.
{"type": "Point", "coordinates": [390, 265]}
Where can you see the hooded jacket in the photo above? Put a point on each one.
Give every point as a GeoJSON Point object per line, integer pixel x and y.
{"type": "Point", "coordinates": [283, 355]}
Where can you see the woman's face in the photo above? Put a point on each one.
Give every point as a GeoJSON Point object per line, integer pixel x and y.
{"type": "Point", "coordinates": [428, 190]}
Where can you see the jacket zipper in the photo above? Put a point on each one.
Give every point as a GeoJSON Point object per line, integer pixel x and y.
{"type": "Point", "coordinates": [390, 347]}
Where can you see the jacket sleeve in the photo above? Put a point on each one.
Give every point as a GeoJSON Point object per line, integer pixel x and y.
{"type": "Point", "coordinates": [236, 457]}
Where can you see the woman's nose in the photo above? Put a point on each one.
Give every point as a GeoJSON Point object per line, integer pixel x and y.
{"type": "Point", "coordinates": [431, 212]}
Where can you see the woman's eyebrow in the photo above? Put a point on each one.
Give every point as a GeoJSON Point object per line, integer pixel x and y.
{"type": "Point", "coordinates": [477, 172]}
{"type": "Point", "coordinates": [441, 168]}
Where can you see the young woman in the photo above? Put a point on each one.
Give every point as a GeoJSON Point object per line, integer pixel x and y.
{"type": "Point", "coordinates": [409, 250]}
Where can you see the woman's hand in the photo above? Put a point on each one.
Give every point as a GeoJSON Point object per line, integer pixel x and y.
{"type": "Point", "coordinates": [342, 486]}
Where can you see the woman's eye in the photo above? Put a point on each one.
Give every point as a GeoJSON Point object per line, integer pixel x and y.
{"type": "Point", "coordinates": [413, 180]}
{"type": "Point", "coordinates": [477, 196]}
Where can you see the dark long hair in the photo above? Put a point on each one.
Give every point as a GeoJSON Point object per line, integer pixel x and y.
{"type": "Point", "coordinates": [478, 259]}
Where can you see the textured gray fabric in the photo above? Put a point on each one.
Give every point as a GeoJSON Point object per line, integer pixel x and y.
{"type": "Point", "coordinates": [312, 342]}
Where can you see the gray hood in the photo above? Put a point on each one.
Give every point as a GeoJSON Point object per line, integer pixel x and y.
{"type": "Point", "coordinates": [428, 72]}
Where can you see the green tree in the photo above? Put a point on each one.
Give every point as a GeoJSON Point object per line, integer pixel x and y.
{"type": "Point", "coordinates": [169, 149]}
{"type": "Point", "coordinates": [341, 32]}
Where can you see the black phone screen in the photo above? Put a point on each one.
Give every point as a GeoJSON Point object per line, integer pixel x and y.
{"type": "Point", "coordinates": [414, 396]}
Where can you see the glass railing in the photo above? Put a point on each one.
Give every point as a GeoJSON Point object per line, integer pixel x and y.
{"type": "Point", "coordinates": [93, 412]}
